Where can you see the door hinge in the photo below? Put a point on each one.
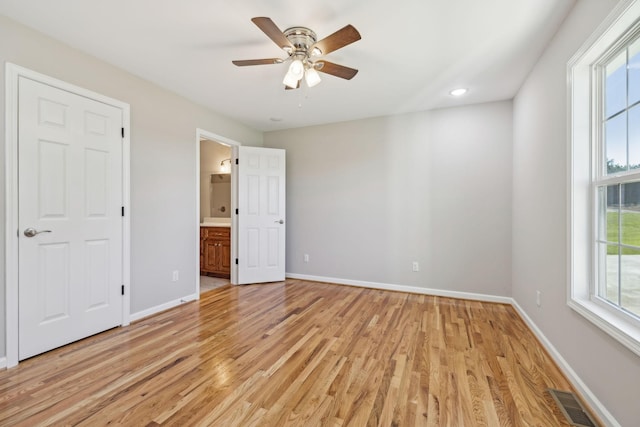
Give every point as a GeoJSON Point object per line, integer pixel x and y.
{"type": "Point", "coordinates": [236, 261]}
{"type": "Point", "coordinates": [237, 162]}
{"type": "Point", "coordinates": [122, 289]}
{"type": "Point", "coordinates": [123, 132]}
{"type": "Point", "coordinates": [236, 211]}
{"type": "Point", "coordinates": [123, 211]}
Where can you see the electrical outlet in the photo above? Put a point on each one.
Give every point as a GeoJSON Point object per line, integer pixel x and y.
{"type": "Point", "coordinates": [416, 266]}
{"type": "Point", "coordinates": [538, 294]}
{"type": "Point", "coordinates": [306, 257]}
{"type": "Point", "coordinates": [176, 275]}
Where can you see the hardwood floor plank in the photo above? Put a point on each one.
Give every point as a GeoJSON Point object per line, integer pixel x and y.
{"type": "Point", "coordinates": [296, 354]}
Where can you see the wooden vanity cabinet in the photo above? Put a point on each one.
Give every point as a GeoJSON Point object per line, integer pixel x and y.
{"type": "Point", "coordinates": [215, 251]}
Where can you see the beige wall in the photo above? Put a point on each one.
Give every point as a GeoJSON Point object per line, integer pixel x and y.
{"type": "Point", "coordinates": [540, 261]}
{"type": "Point", "coordinates": [367, 198]}
{"type": "Point", "coordinates": [163, 162]}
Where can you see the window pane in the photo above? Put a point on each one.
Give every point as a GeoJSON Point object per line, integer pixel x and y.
{"type": "Point", "coordinates": [616, 85]}
{"type": "Point", "coordinates": [616, 143]}
{"type": "Point", "coordinates": [630, 281]}
{"type": "Point", "coordinates": [610, 289]}
{"type": "Point", "coordinates": [613, 206]}
{"type": "Point", "coordinates": [630, 210]}
{"type": "Point", "coordinates": [634, 72]}
{"type": "Point", "coordinates": [634, 137]}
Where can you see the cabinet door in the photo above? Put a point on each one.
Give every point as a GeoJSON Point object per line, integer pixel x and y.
{"type": "Point", "coordinates": [202, 242]}
{"type": "Point", "coordinates": [225, 256]}
{"type": "Point", "coordinates": [210, 256]}
{"type": "Point", "coordinates": [216, 251]}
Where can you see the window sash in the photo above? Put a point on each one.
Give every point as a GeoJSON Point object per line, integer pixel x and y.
{"type": "Point", "coordinates": [599, 112]}
{"type": "Point", "coordinates": [601, 179]}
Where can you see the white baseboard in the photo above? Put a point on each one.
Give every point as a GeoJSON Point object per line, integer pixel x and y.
{"type": "Point", "coordinates": [403, 288]}
{"type": "Point", "coordinates": [162, 307]}
{"type": "Point", "coordinates": [593, 402]}
{"type": "Point", "coordinates": [3, 362]}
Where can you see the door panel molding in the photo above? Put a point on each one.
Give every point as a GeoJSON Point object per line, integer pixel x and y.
{"type": "Point", "coordinates": [13, 74]}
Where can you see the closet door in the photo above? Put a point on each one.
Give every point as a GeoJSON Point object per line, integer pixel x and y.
{"type": "Point", "coordinates": [69, 213]}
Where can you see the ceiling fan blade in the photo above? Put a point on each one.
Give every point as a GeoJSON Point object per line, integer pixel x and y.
{"type": "Point", "coordinates": [267, 61]}
{"type": "Point", "coordinates": [273, 32]}
{"type": "Point", "coordinates": [337, 40]}
{"type": "Point", "coordinates": [337, 70]}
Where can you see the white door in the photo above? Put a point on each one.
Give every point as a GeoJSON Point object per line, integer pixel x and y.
{"type": "Point", "coordinates": [261, 215]}
{"type": "Point", "coordinates": [70, 193]}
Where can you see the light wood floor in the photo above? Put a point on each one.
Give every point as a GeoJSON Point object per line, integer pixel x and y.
{"type": "Point", "coordinates": [296, 353]}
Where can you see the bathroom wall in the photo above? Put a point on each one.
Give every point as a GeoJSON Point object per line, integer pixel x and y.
{"type": "Point", "coordinates": [211, 155]}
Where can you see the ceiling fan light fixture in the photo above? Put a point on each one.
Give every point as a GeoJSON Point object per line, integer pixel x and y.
{"type": "Point", "coordinates": [296, 69]}
{"type": "Point", "coordinates": [290, 80]}
{"type": "Point", "coordinates": [312, 77]}
{"type": "Point", "coordinates": [303, 48]}
{"type": "Point", "coordinates": [294, 75]}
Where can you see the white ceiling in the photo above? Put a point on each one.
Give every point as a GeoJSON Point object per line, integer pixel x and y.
{"type": "Point", "coordinates": [412, 52]}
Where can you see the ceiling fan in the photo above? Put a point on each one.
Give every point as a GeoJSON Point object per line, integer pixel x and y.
{"type": "Point", "coordinates": [305, 52]}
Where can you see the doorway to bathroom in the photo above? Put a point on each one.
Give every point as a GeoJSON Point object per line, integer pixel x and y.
{"type": "Point", "coordinates": [215, 207]}
{"type": "Point", "coordinates": [241, 242]}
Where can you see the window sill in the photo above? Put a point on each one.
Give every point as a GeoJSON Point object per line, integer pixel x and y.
{"type": "Point", "coordinates": [625, 332]}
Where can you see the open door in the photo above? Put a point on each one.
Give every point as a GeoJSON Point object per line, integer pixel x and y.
{"type": "Point", "coordinates": [261, 215]}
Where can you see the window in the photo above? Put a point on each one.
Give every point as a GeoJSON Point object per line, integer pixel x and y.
{"type": "Point", "coordinates": [605, 177]}
{"type": "Point", "coordinates": [617, 181]}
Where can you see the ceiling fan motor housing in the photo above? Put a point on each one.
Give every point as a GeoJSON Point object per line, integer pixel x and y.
{"type": "Point", "coordinates": [302, 38]}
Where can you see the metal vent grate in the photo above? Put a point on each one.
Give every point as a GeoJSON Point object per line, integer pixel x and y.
{"type": "Point", "coordinates": [572, 408]}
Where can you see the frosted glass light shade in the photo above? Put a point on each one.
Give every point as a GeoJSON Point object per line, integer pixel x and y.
{"type": "Point", "coordinates": [295, 73]}
{"type": "Point", "coordinates": [296, 69]}
{"type": "Point", "coordinates": [290, 80]}
{"type": "Point", "coordinates": [312, 77]}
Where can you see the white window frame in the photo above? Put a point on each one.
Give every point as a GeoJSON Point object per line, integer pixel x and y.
{"type": "Point", "coordinates": [585, 137]}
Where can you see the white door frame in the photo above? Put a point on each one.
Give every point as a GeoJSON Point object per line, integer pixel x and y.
{"type": "Point", "coordinates": [13, 73]}
{"type": "Point", "coordinates": [203, 134]}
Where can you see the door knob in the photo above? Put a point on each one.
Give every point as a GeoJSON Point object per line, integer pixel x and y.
{"type": "Point", "coordinates": [279, 222]}
{"type": "Point", "coordinates": [32, 232]}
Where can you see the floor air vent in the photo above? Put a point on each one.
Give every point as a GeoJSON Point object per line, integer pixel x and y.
{"type": "Point", "coordinates": [572, 408]}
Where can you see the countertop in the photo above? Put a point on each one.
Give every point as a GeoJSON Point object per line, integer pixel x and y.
{"type": "Point", "coordinates": [215, 224]}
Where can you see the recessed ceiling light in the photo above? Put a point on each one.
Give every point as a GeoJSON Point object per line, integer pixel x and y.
{"type": "Point", "coordinates": [458, 92]}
